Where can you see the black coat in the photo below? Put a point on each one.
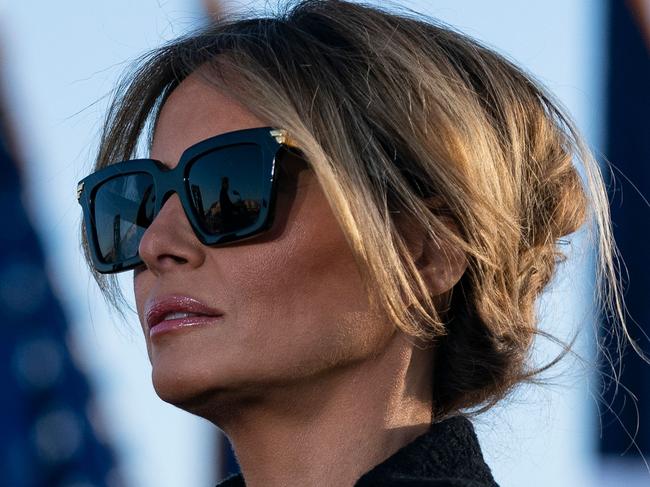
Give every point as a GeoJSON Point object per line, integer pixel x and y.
{"type": "Point", "coordinates": [448, 455]}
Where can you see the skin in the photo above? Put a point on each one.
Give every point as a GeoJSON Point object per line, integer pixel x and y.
{"type": "Point", "coordinates": [311, 385]}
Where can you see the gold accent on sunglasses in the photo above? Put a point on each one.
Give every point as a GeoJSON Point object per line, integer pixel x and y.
{"type": "Point", "coordinates": [80, 188]}
{"type": "Point", "coordinates": [282, 137]}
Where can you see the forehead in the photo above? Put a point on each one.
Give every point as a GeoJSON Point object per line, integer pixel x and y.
{"type": "Point", "coordinates": [194, 111]}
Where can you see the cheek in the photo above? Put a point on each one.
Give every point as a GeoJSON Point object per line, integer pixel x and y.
{"type": "Point", "coordinates": [301, 299]}
{"type": "Point", "coordinates": [142, 284]}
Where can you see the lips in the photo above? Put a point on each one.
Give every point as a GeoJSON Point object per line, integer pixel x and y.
{"type": "Point", "coordinates": [176, 307]}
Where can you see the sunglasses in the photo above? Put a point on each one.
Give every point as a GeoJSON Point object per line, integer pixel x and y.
{"type": "Point", "coordinates": [227, 186]}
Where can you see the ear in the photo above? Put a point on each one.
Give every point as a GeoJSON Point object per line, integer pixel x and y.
{"type": "Point", "coordinates": [441, 265]}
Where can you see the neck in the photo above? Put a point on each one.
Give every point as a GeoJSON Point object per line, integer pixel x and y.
{"type": "Point", "coordinates": [331, 430]}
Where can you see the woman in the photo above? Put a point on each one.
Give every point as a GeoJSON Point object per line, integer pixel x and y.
{"type": "Point", "coordinates": [339, 236]}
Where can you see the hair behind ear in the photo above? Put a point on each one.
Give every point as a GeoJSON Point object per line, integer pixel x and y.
{"type": "Point", "coordinates": [472, 366]}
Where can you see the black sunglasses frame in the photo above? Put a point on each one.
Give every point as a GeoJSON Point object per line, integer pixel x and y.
{"type": "Point", "coordinates": [271, 143]}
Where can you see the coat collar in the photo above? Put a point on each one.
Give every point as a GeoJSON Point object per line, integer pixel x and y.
{"type": "Point", "coordinates": [447, 455]}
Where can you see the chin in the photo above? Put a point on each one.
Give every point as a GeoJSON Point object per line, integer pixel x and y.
{"type": "Point", "coordinates": [213, 398]}
{"type": "Point", "coordinates": [175, 387]}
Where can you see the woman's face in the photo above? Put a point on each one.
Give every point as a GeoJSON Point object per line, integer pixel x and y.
{"type": "Point", "coordinates": [292, 302]}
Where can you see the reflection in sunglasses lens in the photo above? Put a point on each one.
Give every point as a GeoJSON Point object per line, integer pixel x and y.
{"type": "Point", "coordinates": [123, 209]}
{"type": "Point", "coordinates": [226, 188]}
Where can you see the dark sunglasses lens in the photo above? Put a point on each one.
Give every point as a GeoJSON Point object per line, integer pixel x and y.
{"type": "Point", "coordinates": [123, 209]}
{"type": "Point", "coordinates": [227, 188]}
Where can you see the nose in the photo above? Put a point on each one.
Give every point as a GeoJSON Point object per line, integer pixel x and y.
{"type": "Point", "coordinates": [169, 243]}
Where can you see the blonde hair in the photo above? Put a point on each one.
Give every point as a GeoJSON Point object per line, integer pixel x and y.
{"type": "Point", "coordinates": [394, 111]}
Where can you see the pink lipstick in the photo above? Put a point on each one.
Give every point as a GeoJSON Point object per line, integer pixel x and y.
{"type": "Point", "coordinates": [176, 312]}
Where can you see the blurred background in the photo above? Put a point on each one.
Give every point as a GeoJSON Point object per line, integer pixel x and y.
{"type": "Point", "coordinates": [79, 407]}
